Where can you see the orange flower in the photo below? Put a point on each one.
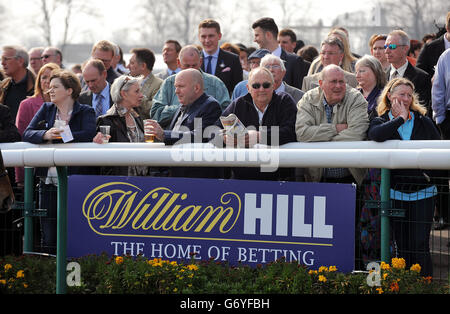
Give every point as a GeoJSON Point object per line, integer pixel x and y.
{"type": "Point", "coordinates": [398, 263]}
{"type": "Point", "coordinates": [119, 260]}
{"type": "Point", "coordinates": [394, 287]}
{"type": "Point", "coordinates": [416, 268]}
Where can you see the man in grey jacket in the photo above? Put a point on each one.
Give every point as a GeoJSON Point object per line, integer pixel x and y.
{"type": "Point", "coordinates": [333, 111]}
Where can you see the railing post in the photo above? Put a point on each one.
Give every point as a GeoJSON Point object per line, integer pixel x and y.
{"type": "Point", "coordinates": [61, 242]}
{"type": "Point", "coordinates": [385, 201]}
{"type": "Point", "coordinates": [28, 190]}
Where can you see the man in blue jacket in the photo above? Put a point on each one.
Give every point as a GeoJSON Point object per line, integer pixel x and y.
{"type": "Point", "coordinates": [197, 112]}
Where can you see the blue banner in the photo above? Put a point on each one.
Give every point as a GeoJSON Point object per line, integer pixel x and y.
{"type": "Point", "coordinates": [252, 222]}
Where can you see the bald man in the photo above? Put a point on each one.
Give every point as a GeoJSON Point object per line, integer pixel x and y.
{"type": "Point", "coordinates": [333, 112]}
{"type": "Point", "coordinates": [196, 112]}
{"type": "Point", "coordinates": [165, 102]}
{"type": "Point", "coordinates": [194, 103]}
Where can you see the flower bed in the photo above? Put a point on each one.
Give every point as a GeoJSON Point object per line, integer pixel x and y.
{"type": "Point", "coordinates": [102, 274]}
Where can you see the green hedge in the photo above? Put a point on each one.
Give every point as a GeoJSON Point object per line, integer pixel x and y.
{"type": "Point", "coordinates": [102, 274]}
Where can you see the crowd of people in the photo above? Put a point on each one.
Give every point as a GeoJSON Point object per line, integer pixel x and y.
{"type": "Point", "coordinates": [303, 93]}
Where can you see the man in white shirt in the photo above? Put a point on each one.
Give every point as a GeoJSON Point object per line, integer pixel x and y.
{"type": "Point", "coordinates": [265, 32]}
{"type": "Point", "coordinates": [396, 50]}
{"type": "Point", "coordinates": [216, 61]}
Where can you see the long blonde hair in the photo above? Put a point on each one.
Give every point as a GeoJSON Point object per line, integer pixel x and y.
{"type": "Point", "coordinates": [384, 104]}
{"type": "Point", "coordinates": [348, 62]}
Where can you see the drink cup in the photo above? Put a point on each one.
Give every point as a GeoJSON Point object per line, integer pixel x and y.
{"type": "Point", "coordinates": [60, 125]}
{"type": "Point", "coordinates": [104, 129]}
{"type": "Point", "coordinates": [149, 138]}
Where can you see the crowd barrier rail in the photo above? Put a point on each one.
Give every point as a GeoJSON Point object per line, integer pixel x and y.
{"type": "Point", "coordinates": [360, 154]}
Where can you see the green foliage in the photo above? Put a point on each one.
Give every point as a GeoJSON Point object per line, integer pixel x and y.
{"type": "Point", "coordinates": [102, 274]}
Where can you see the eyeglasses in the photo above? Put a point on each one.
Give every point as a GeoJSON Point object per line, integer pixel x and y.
{"type": "Point", "coordinates": [4, 59]}
{"type": "Point", "coordinates": [330, 53]}
{"type": "Point", "coordinates": [272, 66]}
{"type": "Point", "coordinates": [392, 46]}
{"type": "Point", "coordinates": [265, 85]}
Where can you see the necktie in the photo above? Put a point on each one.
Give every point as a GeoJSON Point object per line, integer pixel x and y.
{"type": "Point", "coordinates": [99, 105]}
{"type": "Point", "coordinates": [208, 67]}
{"type": "Point", "coordinates": [394, 75]}
{"type": "Point", "coordinates": [177, 125]}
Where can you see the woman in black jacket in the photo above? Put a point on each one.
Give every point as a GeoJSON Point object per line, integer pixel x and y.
{"type": "Point", "coordinates": [125, 123]}
{"type": "Point", "coordinates": [401, 117]}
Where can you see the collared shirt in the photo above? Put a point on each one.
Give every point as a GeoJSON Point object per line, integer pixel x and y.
{"type": "Point", "coordinates": [440, 92]}
{"type": "Point", "coordinates": [281, 88]}
{"type": "Point", "coordinates": [106, 95]}
{"type": "Point", "coordinates": [277, 52]}
{"type": "Point", "coordinates": [260, 113]}
{"type": "Point", "coordinates": [172, 72]}
{"type": "Point", "coordinates": [333, 172]}
{"type": "Point", "coordinates": [446, 42]}
{"type": "Point", "coordinates": [214, 59]}
{"type": "Point", "coordinates": [405, 130]}
{"type": "Point", "coordinates": [401, 70]}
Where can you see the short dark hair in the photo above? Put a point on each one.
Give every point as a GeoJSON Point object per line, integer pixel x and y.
{"type": "Point", "coordinates": [209, 23]}
{"type": "Point", "coordinates": [68, 80]}
{"type": "Point", "coordinates": [145, 55]}
{"type": "Point", "coordinates": [267, 24]}
{"type": "Point", "coordinates": [288, 32]}
{"type": "Point", "coordinates": [176, 43]}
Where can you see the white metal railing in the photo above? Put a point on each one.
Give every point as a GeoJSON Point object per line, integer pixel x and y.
{"type": "Point", "coordinates": [364, 154]}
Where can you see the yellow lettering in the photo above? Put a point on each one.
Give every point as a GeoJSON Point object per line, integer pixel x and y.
{"type": "Point", "coordinates": [113, 206]}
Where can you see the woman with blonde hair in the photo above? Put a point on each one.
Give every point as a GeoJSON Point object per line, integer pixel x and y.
{"type": "Point", "coordinates": [402, 117]}
{"type": "Point", "coordinates": [349, 60]}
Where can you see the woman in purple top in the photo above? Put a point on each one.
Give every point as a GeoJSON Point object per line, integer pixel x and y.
{"type": "Point", "coordinates": [371, 80]}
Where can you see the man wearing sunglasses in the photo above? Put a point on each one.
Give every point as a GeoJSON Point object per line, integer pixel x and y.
{"type": "Point", "coordinates": [396, 50]}
{"type": "Point", "coordinates": [52, 55]}
{"type": "Point", "coordinates": [269, 118]}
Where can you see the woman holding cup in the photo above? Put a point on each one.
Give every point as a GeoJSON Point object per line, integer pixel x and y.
{"type": "Point", "coordinates": [63, 119]}
{"type": "Point", "coordinates": [125, 124]}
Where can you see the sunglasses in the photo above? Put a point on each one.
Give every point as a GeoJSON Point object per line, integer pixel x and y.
{"type": "Point", "coordinates": [265, 85]}
{"type": "Point", "coordinates": [46, 56]}
{"type": "Point", "coordinates": [392, 46]}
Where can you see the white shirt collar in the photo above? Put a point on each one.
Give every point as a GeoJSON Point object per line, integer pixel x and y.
{"type": "Point", "coordinates": [277, 52]}
{"type": "Point", "coordinates": [260, 113]}
{"type": "Point", "coordinates": [401, 70]}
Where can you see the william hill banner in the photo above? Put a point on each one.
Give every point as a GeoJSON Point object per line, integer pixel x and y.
{"type": "Point", "coordinates": [254, 222]}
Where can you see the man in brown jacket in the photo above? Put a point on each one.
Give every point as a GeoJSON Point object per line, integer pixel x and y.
{"type": "Point", "coordinates": [19, 82]}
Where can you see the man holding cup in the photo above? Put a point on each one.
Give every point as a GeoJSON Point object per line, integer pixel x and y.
{"type": "Point", "coordinates": [195, 104]}
{"type": "Point", "coordinates": [197, 111]}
